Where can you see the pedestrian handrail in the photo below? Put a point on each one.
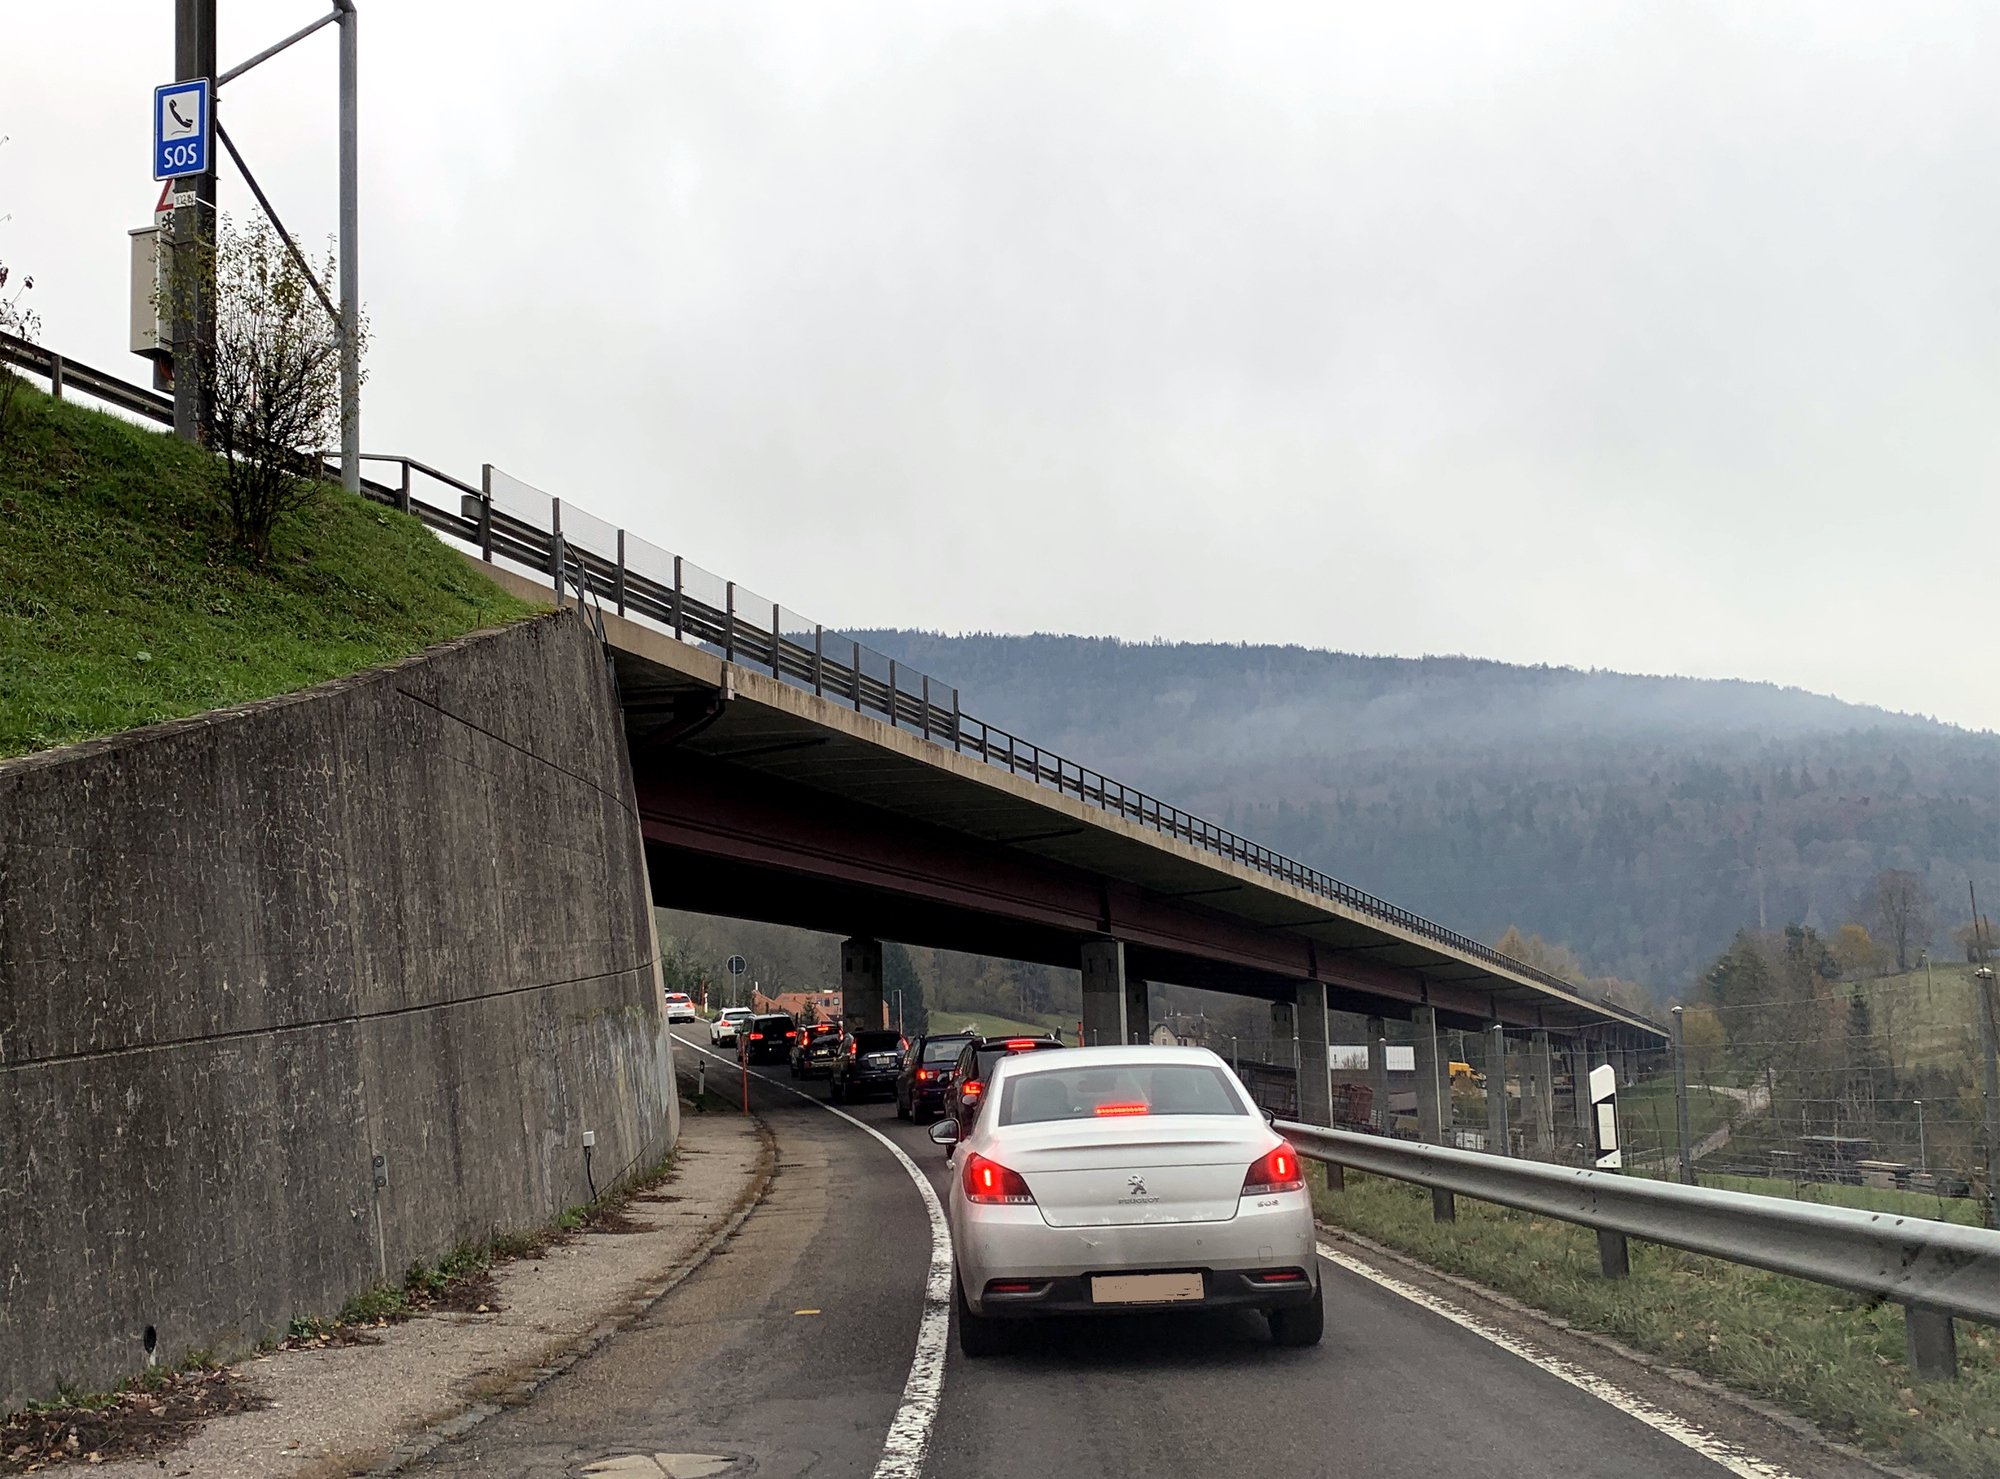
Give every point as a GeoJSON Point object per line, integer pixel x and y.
{"type": "Point", "coordinates": [671, 595]}
{"type": "Point", "coordinates": [1935, 1270]}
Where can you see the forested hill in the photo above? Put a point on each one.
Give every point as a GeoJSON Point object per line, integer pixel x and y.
{"type": "Point", "coordinates": [1641, 821]}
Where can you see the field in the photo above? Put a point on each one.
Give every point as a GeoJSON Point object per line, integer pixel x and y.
{"type": "Point", "coordinates": [122, 602]}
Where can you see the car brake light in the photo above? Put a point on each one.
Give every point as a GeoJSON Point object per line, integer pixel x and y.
{"type": "Point", "coordinates": [971, 1089]}
{"type": "Point", "coordinates": [756, 1037]}
{"type": "Point", "coordinates": [924, 1075]}
{"type": "Point", "coordinates": [1107, 1110]}
{"type": "Point", "coordinates": [1010, 1286]}
{"type": "Point", "coordinates": [791, 1034]}
{"type": "Point", "coordinates": [1015, 1044]}
{"type": "Point", "coordinates": [1277, 1171]}
{"type": "Point", "coordinates": [854, 1050]}
{"type": "Point", "coordinates": [1279, 1276]}
{"type": "Point", "coordinates": [989, 1181]}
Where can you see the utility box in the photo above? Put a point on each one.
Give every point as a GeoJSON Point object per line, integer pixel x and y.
{"type": "Point", "coordinates": [152, 334]}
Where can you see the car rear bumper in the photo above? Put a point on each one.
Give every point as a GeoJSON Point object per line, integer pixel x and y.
{"type": "Point", "coordinates": [870, 1083]}
{"type": "Point", "coordinates": [1221, 1289]}
{"type": "Point", "coordinates": [1009, 1242]}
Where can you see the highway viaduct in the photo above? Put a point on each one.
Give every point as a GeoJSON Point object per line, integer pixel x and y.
{"type": "Point", "coordinates": [769, 790]}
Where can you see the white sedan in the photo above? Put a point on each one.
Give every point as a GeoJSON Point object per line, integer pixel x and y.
{"type": "Point", "coordinates": [728, 1022]}
{"type": "Point", "coordinates": [680, 1008]}
{"type": "Point", "coordinates": [1108, 1180]}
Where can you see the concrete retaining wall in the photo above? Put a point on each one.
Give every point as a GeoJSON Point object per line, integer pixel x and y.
{"type": "Point", "coordinates": [295, 994]}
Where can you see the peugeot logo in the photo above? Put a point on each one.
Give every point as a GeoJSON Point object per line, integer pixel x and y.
{"type": "Point", "coordinates": [1138, 1185]}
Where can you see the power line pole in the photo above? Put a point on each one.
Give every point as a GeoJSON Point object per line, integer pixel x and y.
{"type": "Point", "coordinates": [192, 271]}
{"type": "Point", "coordinates": [350, 249]}
{"type": "Point", "coordinates": [1989, 1037]}
{"type": "Point", "coordinates": [1681, 1099]}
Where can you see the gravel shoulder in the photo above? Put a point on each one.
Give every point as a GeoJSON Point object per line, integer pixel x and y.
{"type": "Point", "coordinates": [356, 1409]}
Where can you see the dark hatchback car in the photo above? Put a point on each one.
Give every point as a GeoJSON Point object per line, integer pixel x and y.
{"type": "Point", "coordinates": [926, 1075]}
{"type": "Point", "coordinates": [766, 1039]}
{"type": "Point", "coordinates": [965, 1092]}
{"type": "Point", "coordinates": [868, 1063]}
{"type": "Point", "coordinates": [814, 1049]}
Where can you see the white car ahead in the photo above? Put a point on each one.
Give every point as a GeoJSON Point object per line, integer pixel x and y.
{"type": "Point", "coordinates": [1108, 1180]}
{"type": "Point", "coordinates": [728, 1022]}
{"type": "Point", "coordinates": [680, 1008]}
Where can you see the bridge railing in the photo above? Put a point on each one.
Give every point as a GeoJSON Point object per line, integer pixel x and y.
{"type": "Point", "coordinates": [1935, 1270]}
{"type": "Point", "coordinates": [508, 520]}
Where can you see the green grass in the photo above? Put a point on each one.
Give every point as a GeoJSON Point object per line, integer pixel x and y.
{"type": "Point", "coordinates": [989, 1025]}
{"type": "Point", "coordinates": [1832, 1357]}
{"type": "Point", "coordinates": [1964, 1210]}
{"type": "Point", "coordinates": [122, 602]}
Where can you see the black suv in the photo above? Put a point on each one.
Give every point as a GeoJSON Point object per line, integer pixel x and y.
{"type": "Point", "coordinates": [926, 1075]}
{"type": "Point", "coordinates": [766, 1038]}
{"type": "Point", "coordinates": [868, 1063]}
{"type": "Point", "coordinates": [967, 1089]}
{"type": "Point", "coordinates": [814, 1049]}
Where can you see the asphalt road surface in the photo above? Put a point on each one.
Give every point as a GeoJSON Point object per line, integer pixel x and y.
{"type": "Point", "coordinates": [790, 1351]}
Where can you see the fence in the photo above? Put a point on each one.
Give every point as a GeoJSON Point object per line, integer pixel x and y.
{"type": "Point", "coordinates": [505, 519]}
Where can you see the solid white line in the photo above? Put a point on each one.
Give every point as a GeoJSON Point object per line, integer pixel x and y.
{"type": "Point", "coordinates": [1703, 1442]}
{"type": "Point", "coordinates": [910, 1432]}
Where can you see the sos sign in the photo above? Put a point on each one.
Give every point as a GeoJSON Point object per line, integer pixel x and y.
{"type": "Point", "coordinates": [181, 127]}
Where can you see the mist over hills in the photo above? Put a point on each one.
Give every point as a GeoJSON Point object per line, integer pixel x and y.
{"type": "Point", "coordinates": [1639, 820]}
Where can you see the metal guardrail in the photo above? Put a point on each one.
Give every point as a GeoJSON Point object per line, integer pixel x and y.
{"type": "Point", "coordinates": [808, 656]}
{"type": "Point", "coordinates": [1935, 1270]}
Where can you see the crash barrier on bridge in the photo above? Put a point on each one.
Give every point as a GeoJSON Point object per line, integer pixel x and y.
{"type": "Point", "coordinates": [1935, 1270]}
{"type": "Point", "coordinates": [503, 518]}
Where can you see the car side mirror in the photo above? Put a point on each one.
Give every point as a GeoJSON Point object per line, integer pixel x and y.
{"type": "Point", "coordinates": [1271, 1118]}
{"type": "Point", "coordinates": [944, 1132]}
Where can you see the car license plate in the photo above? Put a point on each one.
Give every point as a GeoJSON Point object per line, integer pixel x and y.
{"type": "Point", "coordinates": [1145, 1288]}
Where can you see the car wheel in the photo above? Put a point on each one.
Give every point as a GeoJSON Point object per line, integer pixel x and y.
{"type": "Point", "coordinates": [978, 1336]}
{"type": "Point", "coordinates": [902, 1109]}
{"type": "Point", "coordinates": [835, 1092]}
{"type": "Point", "coordinates": [1300, 1325]}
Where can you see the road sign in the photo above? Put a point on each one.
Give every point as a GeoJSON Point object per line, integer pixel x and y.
{"type": "Point", "coordinates": [736, 965]}
{"type": "Point", "coordinates": [181, 126]}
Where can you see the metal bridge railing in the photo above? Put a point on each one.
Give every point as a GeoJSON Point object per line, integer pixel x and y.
{"type": "Point", "coordinates": [505, 519]}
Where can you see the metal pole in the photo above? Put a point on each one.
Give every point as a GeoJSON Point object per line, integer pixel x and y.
{"type": "Point", "coordinates": [193, 283]}
{"type": "Point", "coordinates": [1923, 1151]}
{"type": "Point", "coordinates": [350, 251]}
{"type": "Point", "coordinates": [1989, 1032]}
{"type": "Point", "coordinates": [1681, 1101]}
{"type": "Point", "coordinates": [1433, 1109]}
{"type": "Point", "coordinates": [1496, 1091]}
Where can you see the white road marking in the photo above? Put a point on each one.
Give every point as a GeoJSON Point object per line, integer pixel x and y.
{"type": "Point", "coordinates": [910, 1433]}
{"type": "Point", "coordinates": [1703, 1442]}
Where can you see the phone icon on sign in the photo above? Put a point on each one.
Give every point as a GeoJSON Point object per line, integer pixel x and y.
{"type": "Point", "coordinates": [180, 115]}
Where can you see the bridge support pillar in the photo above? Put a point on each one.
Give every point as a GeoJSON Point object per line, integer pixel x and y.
{"type": "Point", "coordinates": [1433, 1108]}
{"type": "Point", "coordinates": [1106, 993]}
{"type": "Point", "coordinates": [1542, 1068]}
{"type": "Point", "coordinates": [1138, 1012]}
{"type": "Point", "coordinates": [1315, 1083]}
{"type": "Point", "coordinates": [1498, 1139]}
{"type": "Point", "coordinates": [861, 983]}
{"type": "Point", "coordinates": [1378, 1074]}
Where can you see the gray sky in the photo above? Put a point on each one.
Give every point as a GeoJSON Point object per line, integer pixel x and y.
{"type": "Point", "coordinates": [1652, 337]}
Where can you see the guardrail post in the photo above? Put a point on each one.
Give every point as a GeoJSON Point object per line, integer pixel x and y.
{"type": "Point", "coordinates": [677, 596]}
{"type": "Point", "coordinates": [555, 545]}
{"type": "Point", "coordinates": [403, 489]}
{"type": "Point", "coordinates": [1432, 1106]}
{"type": "Point", "coordinates": [486, 512]}
{"type": "Point", "coordinates": [894, 705]}
{"type": "Point", "coordinates": [957, 743]}
{"type": "Point", "coordinates": [927, 704]}
{"type": "Point", "coordinates": [1681, 1101]}
{"type": "Point", "coordinates": [856, 671]}
{"type": "Point", "coordinates": [819, 659]}
{"type": "Point", "coordinates": [1498, 1141]}
{"type": "Point", "coordinates": [621, 572]}
{"type": "Point", "coordinates": [1933, 1343]}
{"type": "Point", "coordinates": [777, 641]}
{"type": "Point", "coordinates": [55, 376]}
{"type": "Point", "coordinates": [729, 621]}
{"type": "Point", "coordinates": [1613, 1257]}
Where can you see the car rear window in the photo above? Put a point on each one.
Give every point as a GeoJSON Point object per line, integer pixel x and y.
{"type": "Point", "coordinates": [989, 1056]}
{"type": "Point", "coordinates": [943, 1049]}
{"type": "Point", "coordinates": [1135, 1089]}
{"type": "Point", "coordinates": [772, 1024]}
{"type": "Point", "coordinates": [878, 1042]}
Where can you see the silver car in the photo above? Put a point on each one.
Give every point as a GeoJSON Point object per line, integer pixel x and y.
{"type": "Point", "coordinates": [1108, 1180]}
{"type": "Point", "coordinates": [728, 1022]}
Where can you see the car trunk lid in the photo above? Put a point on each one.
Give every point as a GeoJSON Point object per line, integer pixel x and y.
{"type": "Point", "coordinates": [1082, 1176]}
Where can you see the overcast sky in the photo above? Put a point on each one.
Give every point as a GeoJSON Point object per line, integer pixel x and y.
{"type": "Point", "coordinates": [1658, 337]}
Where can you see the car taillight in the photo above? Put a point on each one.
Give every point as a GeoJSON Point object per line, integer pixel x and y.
{"type": "Point", "coordinates": [854, 1050]}
{"type": "Point", "coordinates": [924, 1075]}
{"type": "Point", "coordinates": [1015, 1044]}
{"type": "Point", "coordinates": [989, 1181]}
{"type": "Point", "coordinates": [971, 1089]}
{"type": "Point", "coordinates": [791, 1034]}
{"type": "Point", "coordinates": [756, 1037]}
{"type": "Point", "coordinates": [1277, 1171]}
{"type": "Point", "coordinates": [1105, 1110]}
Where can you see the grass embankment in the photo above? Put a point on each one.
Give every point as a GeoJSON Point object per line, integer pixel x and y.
{"type": "Point", "coordinates": [986, 1024]}
{"type": "Point", "coordinates": [122, 602]}
{"type": "Point", "coordinates": [1832, 1357]}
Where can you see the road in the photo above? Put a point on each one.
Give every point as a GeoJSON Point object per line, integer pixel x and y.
{"type": "Point", "coordinates": [789, 1352]}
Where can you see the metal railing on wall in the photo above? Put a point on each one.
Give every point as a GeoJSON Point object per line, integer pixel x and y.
{"type": "Point", "coordinates": [507, 520]}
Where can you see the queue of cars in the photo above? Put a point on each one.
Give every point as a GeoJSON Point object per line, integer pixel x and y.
{"type": "Point", "coordinates": [1084, 1181]}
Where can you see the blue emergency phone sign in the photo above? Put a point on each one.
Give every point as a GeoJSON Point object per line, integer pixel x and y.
{"type": "Point", "coordinates": [181, 127]}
